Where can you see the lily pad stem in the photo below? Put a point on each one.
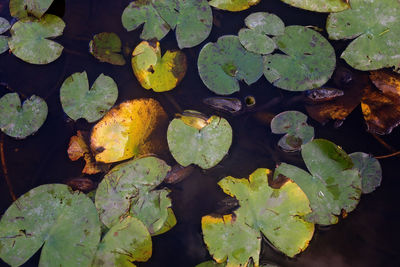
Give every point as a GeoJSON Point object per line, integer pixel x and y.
{"type": "Point", "coordinates": [386, 145]}
{"type": "Point", "coordinates": [4, 168]}
{"type": "Point", "coordinates": [388, 156]}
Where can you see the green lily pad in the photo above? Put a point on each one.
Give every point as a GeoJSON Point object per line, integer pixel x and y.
{"type": "Point", "coordinates": [277, 213]}
{"type": "Point", "coordinates": [106, 47]}
{"type": "Point", "coordinates": [65, 223]}
{"type": "Point", "coordinates": [29, 39]}
{"type": "Point", "coordinates": [222, 64]}
{"type": "Point", "coordinates": [294, 125]}
{"type": "Point", "coordinates": [233, 5]}
{"type": "Point", "coordinates": [3, 44]}
{"type": "Point", "coordinates": [308, 60]}
{"type": "Point", "coordinates": [129, 190]}
{"type": "Point", "coordinates": [320, 5]}
{"type": "Point", "coordinates": [261, 24]}
{"type": "Point", "coordinates": [374, 24]}
{"type": "Point", "coordinates": [20, 122]}
{"type": "Point", "coordinates": [80, 102]}
{"type": "Point", "coordinates": [211, 264]}
{"type": "Point", "coordinates": [204, 146]}
{"type": "Point", "coordinates": [332, 186]}
{"type": "Point", "coordinates": [23, 8]}
{"type": "Point", "coordinates": [125, 242]}
{"type": "Point", "coordinates": [4, 26]}
{"type": "Point", "coordinates": [370, 171]}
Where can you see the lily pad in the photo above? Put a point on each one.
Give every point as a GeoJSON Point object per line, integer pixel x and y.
{"type": "Point", "coordinates": [30, 39]}
{"type": "Point", "coordinates": [211, 264]}
{"type": "Point", "coordinates": [4, 26]}
{"type": "Point", "coordinates": [374, 24]}
{"type": "Point", "coordinates": [125, 242]}
{"type": "Point", "coordinates": [331, 187]}
{"type": "Point", "coordinates": [65, 223]}
{"type": "Point", "coordinates": [129, 190]}
{"type": "Point", "coordinates": [155, 72]}
{"type": "Point", "coordinates": [80, 102]}
{"type": "Point", "coordinates": [320, 5]}
{"type": "Point", "coordinates": [308, 61]}
{"type": "Point", "coordinates": [294, 125]}
{"type": "Point", "coordinates": [106, 47]}
{"type": "Point", "coordinates": [21, 121]}
{"type": "Point", "coordinates": [133, 128]}
{"type": "Point", "coordinates": [222, 64]}
{"type": "Point", "coordinates": [23, 8]}
{"type": "Point", "coordinates": [260, 25]}
{"type": "Point", "coordinates": [233, 5]}
{"type": "Point", "coordinates": [370, 171]}
{"type": "Point", "coordinates": [204, 146]}
{"type": "Point", "coordinates": [277, 213]}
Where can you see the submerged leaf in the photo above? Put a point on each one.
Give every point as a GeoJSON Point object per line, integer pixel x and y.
{"type": "Point", "coordinates": [386, 81]}
{"type": "Point", "coordinates": [133, 128]}
{"type": "Point", "coordinates": [370, 171]}
{"type": "Point", "coordinates": [106, 47]}
{"type": "Point", "coordinates": [222, 64]}
{"type": "Point", "coordinates": [23, 8]}
{"type": "Point", "coordinates": [156, 72]}
{"type": "Point", "coordinates": [65, 223]}
{"type": "Point", "coordinates": [30, 39]}
{"type": "Point", "coordinates": [21, 121]}
{"type": "Point", "coordinates": [78, 101]}
{"type": "Point", "coordinates": [320, 5]}
{"type": "Point", "coordinates": [233, 5]}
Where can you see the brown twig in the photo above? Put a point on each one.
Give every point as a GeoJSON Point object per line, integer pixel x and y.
{"type": "Point", "coordinates": [380, 140]}
{"type": "Point", "coordinates": [4, 168]}
{"type": "Point", "coordinates": [388, 156]}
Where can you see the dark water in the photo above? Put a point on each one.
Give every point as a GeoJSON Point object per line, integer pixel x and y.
{"type": "Point", "coordinates": [368, 237]}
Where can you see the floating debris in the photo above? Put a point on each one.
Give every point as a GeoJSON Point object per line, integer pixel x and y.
{"type": "Point", "coordinates": [226, 104]}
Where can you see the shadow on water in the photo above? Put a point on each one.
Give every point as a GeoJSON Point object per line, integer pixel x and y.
{"type": "Point", "coordinates": [368, 237]}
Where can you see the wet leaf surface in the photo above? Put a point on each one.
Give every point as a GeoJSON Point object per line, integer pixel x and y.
{"type": "Point", "coordinates": [331, 187]}
{"type": "Point", "coordinates": [204, 147]}
{"type": "Point", "coordinates": [386, 81]}
{"type": "Point", "coordinates": [130, 129]}
{"type": "Point", "coordinates": [224, 63]}
{"type": "Point", "coordinates": [374, 26]}
{"type": "Point", "coordinates": [320, 5]}
{"type": "Point", "coordinates": [78, 101]}
{"type": "Point", "coordinates": [370, 171]}
{"type": "Point", "coordinates": [307, 63]}
{"type": "Point", "coordinates": [155, 72]}
{"type": "Point", "coordinates": [233, 5]}
{"type": "Point", "coordinates": [21, 121]}
{"type": "Point", "coordinates": [106, 47]}
{"type": "Point", "coordinates": [64, 223]}
{"type": "Point", "coordinates": [226, 104]}
{"type": "Point", "coordinates": [30, 39]}
{"type": "Point", "coordinates": [23, 8]}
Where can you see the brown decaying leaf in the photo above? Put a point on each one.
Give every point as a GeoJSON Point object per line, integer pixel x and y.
{"type": "Point", "coordinates": [386, 81]}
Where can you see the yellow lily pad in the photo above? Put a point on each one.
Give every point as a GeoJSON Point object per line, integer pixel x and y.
{"type": "Point", "coordinates": [233, 5]}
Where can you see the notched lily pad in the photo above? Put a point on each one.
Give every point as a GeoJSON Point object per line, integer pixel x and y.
{"type": "Point", "coordinates": [320, 5]}
{"type": "Point", "coordinates": [51, 217]}
{"type": "Point", "coordinates": [370, 171]}
{"type": "Point", "coordinates": [78, 101]}
{"type": "Point", "coordinates": [21, 121]}
{"type": "Point", "coordinates": [193, 139]}
{"type": "Point", "coordinates": [156, 72]}
{"type": "Point", "coordinates": [23, 8]}
{"type": "Point", "coordinates": [224, 63]}
{"type": "Point", "coordinates": [106, 47]}
{"type": "Point", "coordinates": [233, 5]}
{"type": "Point", "coordinates": [30, 41]}
{"type": "Point", "coordinates": [307, 62]}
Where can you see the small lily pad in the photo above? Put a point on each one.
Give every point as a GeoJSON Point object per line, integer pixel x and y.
{"type": "Point", "coordinates": [320, 5]}
{"type": "Point", "coordinates": [51, 217]}
{"type": "Point", "coordinates": [30, 39]}
{"type": "Point", "coordinates": [125, 242]}
{"type": "Point", "coordinates": [222, 64]}
{"type": "Point", "coordinates": [21, 121]}
{"type": "Point", "coordinates": [80, 102]}
{"type": "Point", "coordinates": [4, 26]}
{"type": "Point", "coordinates": [333, 184]}
{"type": "Point", "coordinates": [233, 5]}
{"type": "Point", "coordinates": [204, 144]}
{"type": "Point", "coordinates": [370, 171]}
{"type": "Point", "coordinates": [106, 47]}
{"type": "Point", "coordinates": [155, 72]}
{"type": "Point", "coordinates": [23, 8]}
{"type": "Point", "coordinates": [308, 61]}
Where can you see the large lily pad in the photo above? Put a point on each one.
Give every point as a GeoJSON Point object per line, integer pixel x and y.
{"type": "Point", "coordinates": [370, 171]}
{"type": "Point", "coordinates": [375, 26]}
{"type": "Point", "coordinates": [277, 213]}
{"type": "Point", "coordinates": [204, 146]}
{"type": "Point", "coordinates": [30, 39]}
{"type": "Point", "coordinates": [128, 190]}
{"type": "Point", "coordinates": [320, 5]}
{"type": "Point", "coordinates": [221, 65]}
{"type": "Point", "coordinates": [65, 223]}
{"type": "Point", "coordinates": [133, 128]}
{"type": "Point", "coordinates": [233, 5]}
{"type": "Point", "coordinates": [21, 121]}
{"type": "Point", "coordinates": [308, 60]}
{"type": "Point", "coordinates": [23, 8]}
{"type": "Point", "coordinates": [332, 186]}
{"type": "Point", "coordinates": [80, 102]}
{"type": "Point", "coordinates": [125, 242]}
{"type": "Point", "coordinates": [156, 72]}
{"type": "Point", "coordinates": [4, 26]}
{"type": "Point", "coordinates": [106, 47]}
